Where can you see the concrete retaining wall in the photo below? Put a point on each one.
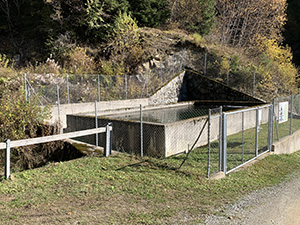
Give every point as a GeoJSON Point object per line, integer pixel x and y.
{"type": "Point", "coordinates": [288, 144]}
{"type": "Point", "coordinates": [163, 140]}
{"type": "Point", "coordinates": [191, 86]}
{"type": "Point", "coordinates": [67, 109]}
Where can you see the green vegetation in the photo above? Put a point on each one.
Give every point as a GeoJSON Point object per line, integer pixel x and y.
{"type": "Point", "coordinates": [106, 36]}
{"type": "Point", "coordinates": [124, 189]}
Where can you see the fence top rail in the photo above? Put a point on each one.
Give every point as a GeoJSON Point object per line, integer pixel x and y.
{"type": "Point", "coordinates": [58, 137]}
{"type": "Point", "coordinates": [248, 109]}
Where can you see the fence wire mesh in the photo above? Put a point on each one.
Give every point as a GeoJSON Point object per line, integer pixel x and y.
{"type": "Point", "coordinates": [296, 113]}
{"type": "Point", "coordinates": [94, 87]}
{"type": "Point", "coordinates": [247, 135]}
{"type": "Point", "coordinates": [214, 149]}
{"type": "Point", "coordinates": [286, 125]}
{"type": "Point", "coordinates": [75, 88]}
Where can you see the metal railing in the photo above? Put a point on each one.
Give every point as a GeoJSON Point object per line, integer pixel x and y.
{"type": "Point", "coordinates": [7, 145]}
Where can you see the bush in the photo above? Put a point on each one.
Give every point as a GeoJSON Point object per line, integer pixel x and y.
{"type": "Point", "coordinates": [193, 15]}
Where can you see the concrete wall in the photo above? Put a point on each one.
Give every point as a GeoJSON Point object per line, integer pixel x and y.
{"type": "Point", "coordinates": [169, 93]}
{"type": "Point", "coordinates": [181, 136]}
{"type": "Point", "coordinates": [160, 140]}
{"type": "Point", "coordinates": [163, 140]}
{"type": "Point", "coordinates": [75, 108]}
{"type": "Point", "coordinates": [288, 144]}
{"type": "Point", "coordinates": [234, 121]}
{"type": "Point", "coordinates": [125, 134]}
{"type": "Point", "coordinates": [191, 86]}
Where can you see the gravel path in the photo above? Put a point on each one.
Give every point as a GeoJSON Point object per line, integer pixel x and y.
{"type": "Point", "coordinates": [278, 205]}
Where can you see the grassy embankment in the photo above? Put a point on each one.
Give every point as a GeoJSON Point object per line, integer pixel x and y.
{"type": "Point", "coordinates": [123, 189]}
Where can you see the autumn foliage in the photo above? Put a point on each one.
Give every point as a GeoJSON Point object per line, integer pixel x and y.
{"type": "Point", "coordinates": [241, 21]}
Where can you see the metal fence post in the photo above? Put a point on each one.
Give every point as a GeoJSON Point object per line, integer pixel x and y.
{"type": "Point", "coordinates": [7, 159]}
{"type": "Point", "coordinates": [291, 116]}
{"type": "Point", "coordinates": [107, 151]}
{"type": "Point", "coordinates": [253, 83]}
{"type": "Point", "coordinates": [96, 123]}
{"type": "Point", "coordinates": [256, 132]}
{"type": "Point", "coordinates": [243, 138]}
{"type": "Point", "coordinates": [173, 65]}
{"type": "Point", "coordinates": [58, 103]}
{"type": "Point", "coordinates": [224, 142]}
{"type": "Point", "coordinates": [25, 86]}
{"type": "Point", "coordinates": [205, 63]}
{"type": "Point", "coordinates": [227, 78]}
{"type": "Point", "coordinates": [147, 80]}
{"type": "Point", "coordinates": [141, 132]}
{"type": "Point", "coordinates": [220, 139]}
{"type": "Point", "coordinates": [98, 88]}
{"type": "Point", "coordinates": [270, 132]}
{"type": "Point", "coordinates": [68, 89]}
{"type": "Point", "coordinates": [161, 74]}
{"type": "Point", "coordinates": [208, 140]}
{"type": "Point", "coordinates": [125, 79]}
{"type": "Point", "coordinates": [184, 58]}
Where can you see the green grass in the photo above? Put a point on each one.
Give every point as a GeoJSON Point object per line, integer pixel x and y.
{"type": "Point", "coordinates": [237, 154]}
{"type": "Point", "coordinates": [124, 189]}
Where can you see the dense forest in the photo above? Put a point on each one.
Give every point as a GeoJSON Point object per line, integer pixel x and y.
{"type": "Point", "coordinates": [115, 36]}
{"type": "Point", "coordinates": [31, 30]}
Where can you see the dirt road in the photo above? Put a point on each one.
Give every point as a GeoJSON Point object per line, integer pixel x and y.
{"type": "Point", "coordinates": [278, 205]}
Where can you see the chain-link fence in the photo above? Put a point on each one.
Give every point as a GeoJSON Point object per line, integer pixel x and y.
{"type": "Point", "coordinates": [214, 150]}
{"type": "Point", "coordinates": [73, 88]}
{"type": "Point", "coordinates": [247, 134]}
{"type": "Point", "coordinates": [287, 116]}
{"type": "Point", "coordinates": [160, 132]}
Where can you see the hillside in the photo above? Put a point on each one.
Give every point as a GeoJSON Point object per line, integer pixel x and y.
{"type": "Point", "coordinates": [238, 44]}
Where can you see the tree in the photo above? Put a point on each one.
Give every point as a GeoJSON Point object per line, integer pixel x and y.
{"type": "Point", "coordinates": [292, 29]}
{"type": "Point", "coordinates": [22, 23]}
{"type": "Point", "coordinates": [126, 49]}
{"type": "Point", "coordinates": [150, 13]}
{"type": "Point", "coordinates": [240, 21]}
{"type": "Point", "coordinates": [193, 15]}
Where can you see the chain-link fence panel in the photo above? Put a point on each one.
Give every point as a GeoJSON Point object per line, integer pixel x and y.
{"type": "Point", "coordinates": [214, 141]}
{"type": "Point", "coordinates": [263, 129]}
{"type": "Point", "coordinates": [46, 87]}
{"type": "Point", "coordinates": [74, 88]}
{"type": "Point", "coordinates": [296, 113]}
{"type": "Point", "coordinates": [282, 117]}
{"type": "Point", "coordinates": [247, 135]}
{"type": "Point", "coordinates": [241, 137]}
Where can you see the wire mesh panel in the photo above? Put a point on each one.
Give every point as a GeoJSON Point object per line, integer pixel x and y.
{"type": "Point", "coordinates": [282, 119]}
{"type": "Point", "coordinates": [237, 151]}
{"type": "Point", "coordinates": [263, 129]}
{"type": "Point", "coordinates": [247, 135]}
{"type": "Point", "coordinates": [214, 141]}
{"type": "Point", "coordinates": [296, 113]}
{"type": "Point", "coordinates": [45, 86]}
{"type": "Point", "coordinates": [81, 88]}
{"type": "Point", "coordinates": [178, 128]}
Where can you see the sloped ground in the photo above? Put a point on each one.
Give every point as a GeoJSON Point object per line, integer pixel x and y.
{"type": "Point", "coordinates": [127, 190]}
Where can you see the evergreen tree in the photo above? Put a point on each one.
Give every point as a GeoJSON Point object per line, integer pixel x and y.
{"type": "Point", "coordinates": [292, 29]}
{"type": "Point", "coordinates": [150, 13]}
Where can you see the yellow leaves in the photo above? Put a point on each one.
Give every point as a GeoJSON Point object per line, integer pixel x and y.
{"type": "Point", "coordinates": [281, 70]}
